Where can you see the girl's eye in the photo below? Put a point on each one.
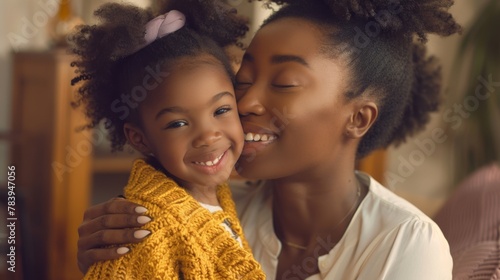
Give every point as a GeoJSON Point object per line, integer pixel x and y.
{"type": "Point", "coordinates": [176, 124]}
{"type": "Point", "coordinates": [222, 111]}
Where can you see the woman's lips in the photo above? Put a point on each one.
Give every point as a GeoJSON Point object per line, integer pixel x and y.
{"type": "Point", "coordinates": [255, 142]}
{"type": "Point", "coordinates": [259, 137]}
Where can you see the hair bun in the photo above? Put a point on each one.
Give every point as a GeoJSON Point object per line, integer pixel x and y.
{"type": "Point", "coordinates": [424, 96]}
{"type": "Point", "coordinates": [407, 16]}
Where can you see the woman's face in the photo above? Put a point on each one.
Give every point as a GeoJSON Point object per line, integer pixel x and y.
{"type": "Point", "coordinates": [291, 103]}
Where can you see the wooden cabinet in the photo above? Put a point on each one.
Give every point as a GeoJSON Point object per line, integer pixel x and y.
{"type": "Point", "coordinates": [53, 161]}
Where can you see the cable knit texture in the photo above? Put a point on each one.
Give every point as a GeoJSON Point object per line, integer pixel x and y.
{"type": "Point", "coordinates": [187, 241]}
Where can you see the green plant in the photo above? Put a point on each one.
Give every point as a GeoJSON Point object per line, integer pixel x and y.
{"type": "Point", "coordinates": [477, 139]}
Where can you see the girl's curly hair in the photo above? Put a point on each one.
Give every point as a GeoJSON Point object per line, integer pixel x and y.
{"type": "Point", "coordinates": [382, 41]}
{"type": "Point", "coordinates": [111, 82]}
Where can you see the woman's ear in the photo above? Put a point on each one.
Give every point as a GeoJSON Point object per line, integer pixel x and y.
{"type": "Point", "coordinates": [362, 119]}
{"type": "Point", "coordinates": [136, 138]}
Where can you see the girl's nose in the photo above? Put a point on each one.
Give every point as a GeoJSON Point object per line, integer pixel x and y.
{"type": "Point", "coordinates": [207, 138]}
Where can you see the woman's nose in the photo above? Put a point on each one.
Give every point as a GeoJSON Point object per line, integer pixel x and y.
{"type": "Point", "coordinates": [207, 138]}
{"type": "Point", "coordinates": [250, 102]}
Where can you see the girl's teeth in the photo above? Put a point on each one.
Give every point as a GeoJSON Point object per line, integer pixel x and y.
{"type": "Point", "coordinates": [251, 137]}
{"type": "Point", "coordinates": [210, 163]}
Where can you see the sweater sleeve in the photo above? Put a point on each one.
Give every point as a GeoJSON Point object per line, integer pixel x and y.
{"type": "Point", "coordinates": [153, 258]}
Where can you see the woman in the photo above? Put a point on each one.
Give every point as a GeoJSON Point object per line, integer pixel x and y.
{"type": "Point", "coordinates": [322, 84]}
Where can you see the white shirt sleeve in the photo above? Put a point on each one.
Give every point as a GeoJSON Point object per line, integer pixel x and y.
{"type": "Point", "coordinates": [418, 251]}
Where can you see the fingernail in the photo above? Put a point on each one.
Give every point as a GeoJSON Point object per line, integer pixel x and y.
{"type": "Point", "coordinates": [140, 234]}
{"type": "Point", "coordinates": [143, 219]}
{"type": "Point", "coordinates": [140, 210]}
{"type": "Point", "coordinates": [122, 250]}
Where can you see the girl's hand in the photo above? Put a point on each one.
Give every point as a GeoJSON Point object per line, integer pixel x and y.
{"type": "Point", "coordinates": [105, 227]}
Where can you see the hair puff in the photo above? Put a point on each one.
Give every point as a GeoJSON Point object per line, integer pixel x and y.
{"type": "Point", "coordinates": [408, 16]}
{"type": "Point", "coordinates": [108, 65]}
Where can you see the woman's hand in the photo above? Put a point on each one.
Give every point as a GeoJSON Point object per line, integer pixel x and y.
{"type": "Point", "coordinates": [105, 227]}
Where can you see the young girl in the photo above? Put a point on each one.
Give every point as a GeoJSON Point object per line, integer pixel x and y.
{"type": "Point", "coordinates": [327, 82]}
{"type": "Point", "coordinates": [164, 85]}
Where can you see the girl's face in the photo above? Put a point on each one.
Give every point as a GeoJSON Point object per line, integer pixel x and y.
{"type": "Point", "coordinates": [291, 96]}
{"type": "Point", "coordinates": [190, 123]}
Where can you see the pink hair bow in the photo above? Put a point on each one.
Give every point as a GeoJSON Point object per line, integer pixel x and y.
{"type": "Point", "coordinates": [161, 26]}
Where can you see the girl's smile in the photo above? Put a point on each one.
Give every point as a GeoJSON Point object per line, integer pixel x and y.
{"type": "Point", "coordinates": [211, 164]}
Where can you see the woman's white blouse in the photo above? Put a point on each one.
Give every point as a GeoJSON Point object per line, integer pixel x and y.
{"type": "Point", "coordinates": [388, 238]}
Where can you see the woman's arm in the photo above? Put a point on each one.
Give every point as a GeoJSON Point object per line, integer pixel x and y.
{"type": "Point", "coordinates": [105, 227]}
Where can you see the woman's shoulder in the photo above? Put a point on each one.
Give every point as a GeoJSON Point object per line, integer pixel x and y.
{"type": "Point", "coordinates": [384, 215]}
{"type": "Point", "coordinates": [393, 238]}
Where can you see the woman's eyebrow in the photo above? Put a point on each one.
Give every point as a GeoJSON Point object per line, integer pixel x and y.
{"type": "Point", "coordinates": [277, 59]}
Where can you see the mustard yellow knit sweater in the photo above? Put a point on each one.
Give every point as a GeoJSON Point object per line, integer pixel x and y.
{"type": "Point", "coordinates": [187, 241]}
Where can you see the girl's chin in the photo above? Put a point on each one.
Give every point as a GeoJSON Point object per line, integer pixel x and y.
{"type": "Point", "coordinates": [206, 183]}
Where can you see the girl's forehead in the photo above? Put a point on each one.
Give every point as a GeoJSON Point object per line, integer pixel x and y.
{"type": "Point", "coordinates": [191, 88]}
{"type": "Point", "coordinates": [190, 75]}
{"type": "Point", "coordinates": [188, 63]}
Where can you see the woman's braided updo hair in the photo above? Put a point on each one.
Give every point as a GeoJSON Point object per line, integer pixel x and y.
{"type": "Point", "coordinates": [109, 72]}
{"type": "Point", "coordinates": [382, 42]}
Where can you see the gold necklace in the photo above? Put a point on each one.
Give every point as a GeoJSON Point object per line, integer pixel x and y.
{"type": "Point", "coordinates": [358, 195]}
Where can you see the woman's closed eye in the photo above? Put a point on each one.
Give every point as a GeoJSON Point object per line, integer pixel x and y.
{"type": "Point", "coordinates": [284, 85]}
{"type": "Point", "coordinates": [285, 82]}
{"type": "Point", "coordinates": [287, 79]}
